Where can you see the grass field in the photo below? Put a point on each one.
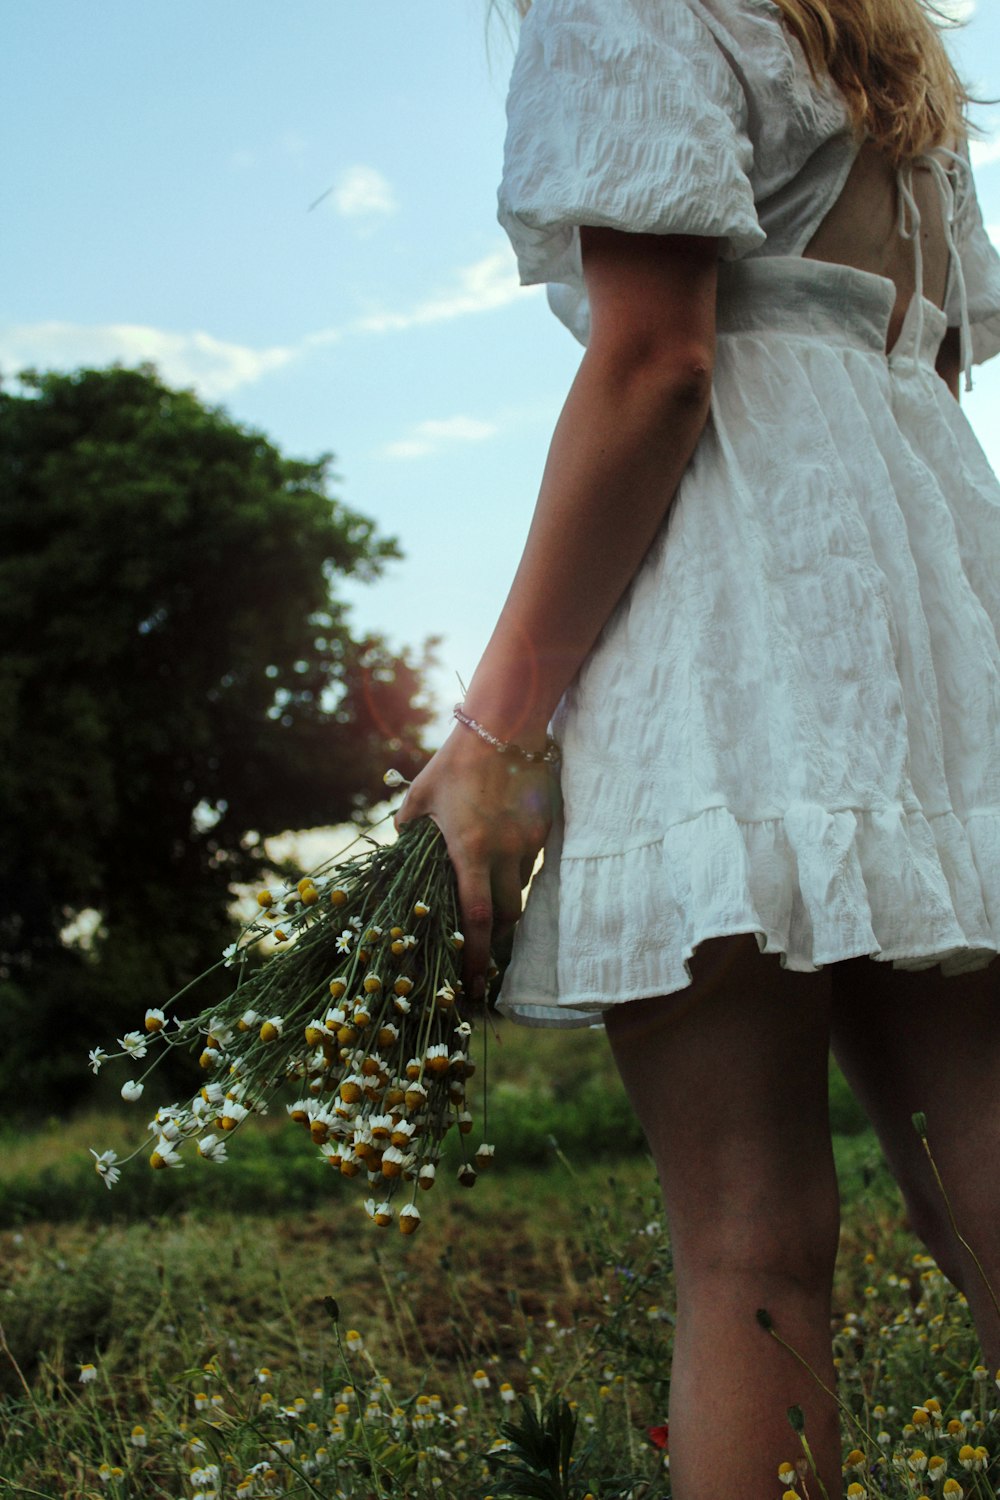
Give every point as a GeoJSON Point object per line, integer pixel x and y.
{"type": "Point", "coordinates": [219, 1368]}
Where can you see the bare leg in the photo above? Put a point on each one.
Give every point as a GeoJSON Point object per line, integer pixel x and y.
{"type": "Point", "coordinates": [910, 1041]}
{"type": "Point", "coordinates": [729, 1081]}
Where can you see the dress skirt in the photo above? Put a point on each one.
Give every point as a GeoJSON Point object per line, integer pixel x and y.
{"type": "Point", "coordinates": [791, 723]}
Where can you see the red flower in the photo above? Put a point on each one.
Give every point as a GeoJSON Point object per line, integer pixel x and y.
{"type": "Point", "coordinates": [658, 1435]}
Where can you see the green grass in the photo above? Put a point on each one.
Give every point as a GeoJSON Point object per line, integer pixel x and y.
{"type": "Point", "coordinates": [542, 1088]}
{"type": "Point", "coordinates": [555, 1279]}
{"type": "Point", "coordinates": [553, 1276]}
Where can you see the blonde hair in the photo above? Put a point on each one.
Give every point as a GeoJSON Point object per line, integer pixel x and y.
{"type": "Point", "coordinates": [889, 62]}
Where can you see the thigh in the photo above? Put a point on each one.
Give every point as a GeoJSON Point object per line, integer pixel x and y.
{"type": "Point", "coordinates": [729, 1080]}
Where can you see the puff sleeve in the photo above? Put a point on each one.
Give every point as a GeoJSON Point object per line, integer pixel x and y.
{"type": "Point", "coordinates": [624, 115]}
{"type": "Point", "coordinates": [980, 265]}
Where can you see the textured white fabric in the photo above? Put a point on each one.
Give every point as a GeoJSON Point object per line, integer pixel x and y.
{"type": "Point", "coordinates": [681, 117]}
{"type": "Point", "coordinates": [791, 724]}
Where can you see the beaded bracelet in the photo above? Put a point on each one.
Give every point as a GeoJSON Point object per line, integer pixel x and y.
{"type": "Point", "coordinates": [550, 755]}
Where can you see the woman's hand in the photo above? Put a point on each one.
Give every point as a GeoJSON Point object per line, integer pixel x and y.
{"type": "Point", "coordinates": [495, 812]}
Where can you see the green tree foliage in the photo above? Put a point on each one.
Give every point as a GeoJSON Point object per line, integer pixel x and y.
{"type": "Point", "coordinates": [172, 642]}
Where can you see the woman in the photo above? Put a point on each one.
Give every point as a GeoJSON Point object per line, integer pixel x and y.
{"type": "Point", "coordinates": [760, 602]}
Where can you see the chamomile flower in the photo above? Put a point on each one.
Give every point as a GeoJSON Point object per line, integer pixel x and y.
{"type": "Point", "coordinates": [134, 1043]}
{"type": "Point", "coordinates": [131, 1091]}
{"type": "Point", "coordinates": [409, 1218]}
{"type": "Point", "coordinates": [104, 1166]}
{"type": "Point", "coordinates": [164, 1156]}
{"type": "Point", "coordinates": [212, 1148]}
{"type": "Point", "coordinates": [345, 942]}
{"type": "Point", "coordinates": [88, 1374]}
{"type": "Point", "coordinates": [96, 1057]}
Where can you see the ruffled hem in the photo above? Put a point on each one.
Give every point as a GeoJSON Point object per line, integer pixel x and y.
{"type": "Point", "coordinates": [815, 887]}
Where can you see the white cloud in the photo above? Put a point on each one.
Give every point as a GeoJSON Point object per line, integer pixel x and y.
{"type": "Point", "coordinates": [213, 366]}
{"type": "Point", "coordinates": [362, 192]}
{"type": "Point", "coordinates": [487, 283]}
{"type": "Point", "coordinates": [437, 433]}
{"type": "Point", "coordinates": [216, 367]}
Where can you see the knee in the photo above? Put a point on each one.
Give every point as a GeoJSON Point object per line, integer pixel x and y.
{"type": "Point", "coordinates": [796, 1250]}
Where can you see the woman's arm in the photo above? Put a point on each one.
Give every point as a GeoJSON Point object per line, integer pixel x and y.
{"type": "Point", "coordinates": [626, 433]}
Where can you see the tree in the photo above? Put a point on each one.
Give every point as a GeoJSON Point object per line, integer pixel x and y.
{"type": "Point", "coordinates": [179, 683]}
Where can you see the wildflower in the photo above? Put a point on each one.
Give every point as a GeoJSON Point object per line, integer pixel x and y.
{"type": "Point", "coordinates": [416, 1094]}
{"type": "Point", "coordinates": [953, 1489]}
{"type": "Point", "coordinates": [855, 1461]}
{"type": "Point", "coordinates": [426, 1175]}
{"type": "Point", "coordinates": [96, 1057]}
{"type": "Point", "coordinates": [155, 1020]}
{"type": "Point", "coordinates": [211, 1148]}
{"type": "Point", "coordinates": [131, 1091]}
{"type": "Point", "coordinates": [467, 1174]}
{"type": "Point", "coordinates": [484, 1156]}
{"type": "Point", "coordinates": [229, 955]}
{"type": "Point", "coordinates": [351, 1088]}
{"type": "Point", "coordinates": [436, 1058]}
{"type": "Point", "coordinates": [134, 1043]}
{"type": "Point", "coordinates": [88, 1374]}
{"type": "Point", "coordinates": [445, 997]}
{"type": "Point", "coordinates": [104, 1166]}
{"type": "Point", "coordinates": [272, 1028]}
{"type": "Point", "coordinates": [420, 909]}
{"type": "Point", "coordinates": [481, 1380]}
{"type": "Point", "coordinates": [457, 941]}
{"type": "Point", "coordinates": [409, 1218]}
{"type": "Point", "coordinates": [164, 1156]}
{"type": "Point", "coordinates": [787, 1475]}
{"type": "Point", "coordinates": [856, 1492]}
{"type": "Point", "coordinates": [345, 942]}
{"type": "Point", "coordinates": [138, 1436]}
{"type": "Point", "coordinates": [233, 1114]}
{"type": "Point", "coordinates": [380, 1212]}
{"type": "Point", "coordinates": [248, 1020]}
{"type": "Point", "coordinates": [394, 779]}
{"type": "Point", "coordinates": [507, 1393]}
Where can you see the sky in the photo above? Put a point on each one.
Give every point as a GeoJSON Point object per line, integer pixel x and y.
{"type": "Point", "coordinates": [292, 208]}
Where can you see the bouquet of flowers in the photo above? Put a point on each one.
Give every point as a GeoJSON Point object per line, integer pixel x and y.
{"type": "Point", "coordinates": [358, 1013]}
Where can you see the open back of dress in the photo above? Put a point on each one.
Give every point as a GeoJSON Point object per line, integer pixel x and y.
{"type": "Point", "coordinates": [866, 229]}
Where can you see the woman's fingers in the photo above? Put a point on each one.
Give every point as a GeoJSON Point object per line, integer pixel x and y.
{"type": "Point", "coordinates": [506, 897]}
{"type": "Point", "coordinates": [475, 899]}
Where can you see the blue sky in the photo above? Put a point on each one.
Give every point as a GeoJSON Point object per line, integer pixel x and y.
{"type": "Point", "coordinates": [162, 165]}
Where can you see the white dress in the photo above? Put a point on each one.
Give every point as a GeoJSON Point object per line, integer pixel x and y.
{"type": "Point", "coordinates": [791, 724]}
